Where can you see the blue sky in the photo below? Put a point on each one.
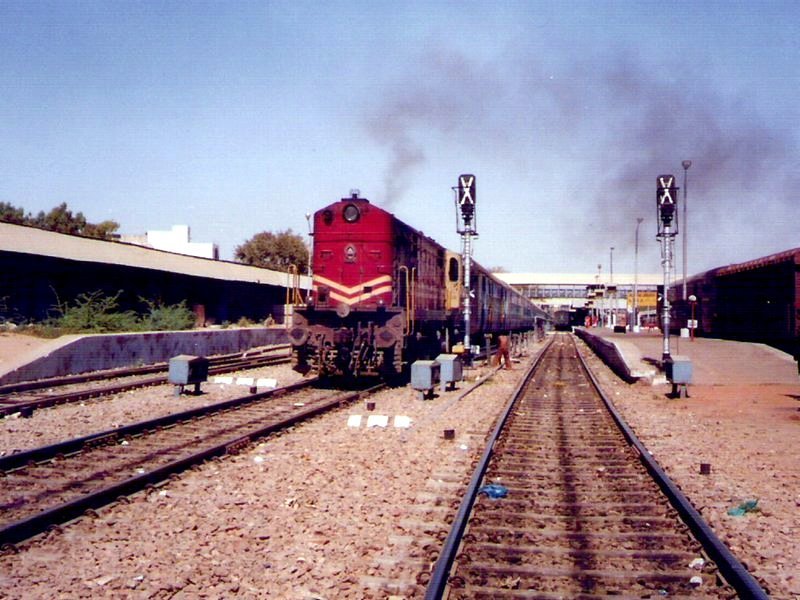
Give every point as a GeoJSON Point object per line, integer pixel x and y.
{"type": "Point", "coordinates": [241, 117]}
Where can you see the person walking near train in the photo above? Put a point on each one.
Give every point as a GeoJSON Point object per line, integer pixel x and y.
{"type": "Point", "coordinates": [502, 351]}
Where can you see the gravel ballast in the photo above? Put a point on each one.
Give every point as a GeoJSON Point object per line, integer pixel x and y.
{"type": "Point", "coordinates": [328, 510]}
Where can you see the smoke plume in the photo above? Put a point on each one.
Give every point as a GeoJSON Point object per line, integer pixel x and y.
{"type": "Point", "coordinates": [621, 123]}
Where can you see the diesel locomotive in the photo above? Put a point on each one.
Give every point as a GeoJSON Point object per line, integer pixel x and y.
{"type": "Point", "coordinates": [383, 295]}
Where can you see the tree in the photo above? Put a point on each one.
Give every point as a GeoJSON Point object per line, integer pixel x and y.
{"type": "Point", "coordinates": [60, 219]}
{"type": "Point", "coordinates": [11, 214]}
{"type": "Point", "coordinates": [102, 231]}
{"type": "Point", "coordinates": [274, 251]}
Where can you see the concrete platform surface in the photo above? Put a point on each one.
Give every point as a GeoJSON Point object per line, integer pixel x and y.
{"type": "Point", "coordinates": [714, 361]}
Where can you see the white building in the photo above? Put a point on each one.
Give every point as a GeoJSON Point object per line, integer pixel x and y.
{"type": "Point", "coordinates": [177, 239]}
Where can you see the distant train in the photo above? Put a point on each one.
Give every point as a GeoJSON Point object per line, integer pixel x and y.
{"type": "Point", "coordinates": [755, 301]}
{"type": "Point", "coordinates": [384, 295]}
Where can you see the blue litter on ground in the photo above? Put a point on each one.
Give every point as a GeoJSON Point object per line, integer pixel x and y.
{"type": "Point", "coordinates": [494, 491]}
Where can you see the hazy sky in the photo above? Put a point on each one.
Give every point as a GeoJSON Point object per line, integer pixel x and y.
{"type": "Point", "coordinates": [239, 117]}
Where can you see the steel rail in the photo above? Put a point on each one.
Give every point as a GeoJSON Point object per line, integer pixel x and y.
{"type": "Point", "coordinates": [441, 570]}
{"type": "Point", "coordinates": [44, 453]}
{"type": "Point", "coordinates": [731, 569]}
{"type": "Point", "coordinates": [23, 529]}
{"type": "Point", "coordinates": [216, 361]}
{"type": "Point", "coordinates": [26, 408]}
{"type": "Point", "coordinates": [728, 565]}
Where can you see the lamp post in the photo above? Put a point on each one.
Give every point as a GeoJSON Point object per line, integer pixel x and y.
{"type": "Point", "coordinates": [693, 301]}
{"type": "Point", "coordinates": [611, 298]}
{"type": "Point", "coordinates": [636, 276]}
{"type": "Point", "coordinates": [599, 295]}
{"type": "Point", "coordinates": [686, 164]}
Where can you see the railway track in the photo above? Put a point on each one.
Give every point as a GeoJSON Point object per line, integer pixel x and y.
{"type": "Point", "coordinates": [25, 398]}
{"type": "Point", "coordinates": [51, 485]}
{"type": "Point", "coordinates": [567, 503]}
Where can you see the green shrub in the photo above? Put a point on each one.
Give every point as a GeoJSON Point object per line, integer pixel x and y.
{"type": "Point", "coordinates": [93, 312]}
{"type": "Point", "coordinates": [167, 317]}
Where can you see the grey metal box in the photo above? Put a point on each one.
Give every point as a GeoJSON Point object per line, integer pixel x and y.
{"type": "Point", "coordinates": [425, 375]}
{"type": "Point", "coordinates": [185, 369]}
{"type": "Point", "coordinates": [451, 369]}
{"type": "Point", "coordinates": [679, 370]}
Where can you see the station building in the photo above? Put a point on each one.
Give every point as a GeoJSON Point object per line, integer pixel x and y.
{"type": "Point", "coordinates": [42, 270]}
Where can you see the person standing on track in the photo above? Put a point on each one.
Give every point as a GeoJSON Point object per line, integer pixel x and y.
{"type": "Point", "coordinates": [502, 351]}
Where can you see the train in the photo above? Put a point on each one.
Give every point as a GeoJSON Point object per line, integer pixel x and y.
{"type": "Point", "coordinates": [384, 295]}
{"type": "Point", "coordinates": [753, 301]}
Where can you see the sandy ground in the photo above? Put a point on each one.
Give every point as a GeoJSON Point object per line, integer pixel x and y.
{"type": "Point", "coordinates": [13, 346]}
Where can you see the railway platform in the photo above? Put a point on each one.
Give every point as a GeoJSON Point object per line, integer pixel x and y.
{"type": "Point", "coordinates": [714, 361]}
{"type": "Point", "coordinates": [24, 359]}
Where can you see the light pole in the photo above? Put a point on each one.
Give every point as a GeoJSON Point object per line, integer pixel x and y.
{"type": "Point", "coordinates": [310, 243]}
{"type": "Point", "coordinates": [636, 275]}
{"type": "Point", "coordinates": [611, 265]}
{"type": "Point", "coordinates": [599, 296]}
{"type": "Point", "coordinates": [686, 164]}
{"type": "Point", "coordinates": [309, 266]}
{"type": "Point", "coordinates": [611, 299]}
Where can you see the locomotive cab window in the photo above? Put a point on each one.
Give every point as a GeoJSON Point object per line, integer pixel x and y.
{"type": "Point", "coordinates": [453, 273]}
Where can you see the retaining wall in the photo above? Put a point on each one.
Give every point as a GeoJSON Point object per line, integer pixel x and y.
{"type": "Point", "coordinates": [73, 354]}
{"type": "Point", "coordinates": [608, 353]}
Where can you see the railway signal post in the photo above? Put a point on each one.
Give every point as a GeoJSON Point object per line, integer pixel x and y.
{"type": "Point", "coordinates": [679, 368]}
{"type": "Point", "coordinates": [465, 207]}
{"type": "Point", "coordinates": [666, 205]}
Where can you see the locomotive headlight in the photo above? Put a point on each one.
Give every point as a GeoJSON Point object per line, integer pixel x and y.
{"type": "Point", "coordinates": [351, 213]}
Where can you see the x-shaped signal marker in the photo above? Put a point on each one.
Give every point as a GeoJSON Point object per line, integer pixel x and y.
{"type": "Point", "coordinates": [666, 197]}
{"type": "Point", "coordinates": [466, 190]}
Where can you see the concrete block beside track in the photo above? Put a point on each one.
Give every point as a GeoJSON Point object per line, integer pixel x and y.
{"type": "Point", "coordinates": [74, 354]}
{"type": "Point", "coordinates": [626, 363]}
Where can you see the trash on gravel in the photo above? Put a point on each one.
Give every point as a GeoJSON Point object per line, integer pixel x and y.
{"type": "Point", "coordinates": [696, 581]}
{"type": "Point", "coordinates": [745, 507]}
{"type": "Point", "coordinates": [494, 491]}
{"type": "Point", "coordinates": [354, 421]}
{"type": "Point", "coordinates": [697, 563]}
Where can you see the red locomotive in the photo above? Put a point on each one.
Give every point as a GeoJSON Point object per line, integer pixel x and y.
{"type": "Point", "coordinates": [385, 295]}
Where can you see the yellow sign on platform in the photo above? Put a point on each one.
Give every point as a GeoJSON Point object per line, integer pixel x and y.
{"type": "Point", "coordinates": [646, 300]}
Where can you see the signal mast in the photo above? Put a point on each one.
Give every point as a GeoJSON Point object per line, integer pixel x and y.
{"type": "Point", "coordinates": [466, 226]}
{"type": "Point", "coordinates": [666, 207]}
